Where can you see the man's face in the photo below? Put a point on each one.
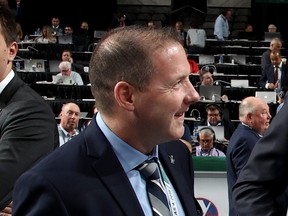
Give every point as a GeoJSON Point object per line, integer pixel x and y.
{"type": "Point", "coordinates": [66, 56]}
{"type": "Point", "coordinates": [163, 103]}
{"type": "Point", "coordinates": [260, 119]}
{"type": "Point", "coordinates": [70, 116]}
{"type": "Point", "coordinates": [65, 71]}
{"type": "Point", "coordinates": [275, 59]}
{"type": "Point", "coordinates": [213, 117]}
{"type": "Point", "coordinates": [55, 21]}
{"type": "Point", "coordinates": [206, 141]}
{"type": "Point", "coordinates": [207, 79]}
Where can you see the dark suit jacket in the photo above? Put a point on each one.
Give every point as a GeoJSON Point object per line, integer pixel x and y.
{"type": "Point", "coordinates": [239, 149]}
{"type": "Point", "coordinates": [264, 177]}
{"type": "Point", "coordinates": [28, 133]}
{"type": "Point", "coordinates": [85, 177]}
{"type": "Point", "coordinates": [268, 75]}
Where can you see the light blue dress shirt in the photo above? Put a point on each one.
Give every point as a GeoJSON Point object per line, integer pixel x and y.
{"type": "Point", "coordinates": [221, 28]}
{"type": "Point", "coordinates": [130, 158]}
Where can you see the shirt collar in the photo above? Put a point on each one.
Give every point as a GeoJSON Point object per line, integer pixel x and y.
{"type": "Point", "coordinates": [6, 80]}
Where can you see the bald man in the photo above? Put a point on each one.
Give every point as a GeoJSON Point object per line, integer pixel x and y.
{"type": "Point", "coordinates": [254, 119]}
{"type": "Point", "coordinates": [69, 119]}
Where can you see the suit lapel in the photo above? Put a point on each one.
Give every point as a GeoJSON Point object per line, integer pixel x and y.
{"type": "Point", "coordinates": [110, 171]}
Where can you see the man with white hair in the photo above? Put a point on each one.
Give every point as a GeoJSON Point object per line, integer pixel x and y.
{"type": "Point", "coordinates": [65, 70]}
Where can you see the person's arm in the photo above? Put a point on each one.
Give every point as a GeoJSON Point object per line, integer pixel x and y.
{"type": "Point", "coordinates": [78, 79]}
{"type": "Point", "coordinates": [264, 178]}
{"type": "Point", "coordinates": [263, 79]}
{"type": "Point", "coordinates": [27, 135]}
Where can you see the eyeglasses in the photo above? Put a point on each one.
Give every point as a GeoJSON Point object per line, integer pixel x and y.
{"type": "Point", "coordinates": [205, 141]}
{"type": "Point", "coordinates": [213, 115]}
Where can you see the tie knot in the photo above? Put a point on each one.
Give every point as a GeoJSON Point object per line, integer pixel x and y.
{"type": "Point", "coordinates": [149, 169]}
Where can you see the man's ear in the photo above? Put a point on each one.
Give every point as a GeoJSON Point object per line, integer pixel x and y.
{"type": "Point", "coordinates": [123, 93]}
{"type": "Point", "coordinates": [13, 49]}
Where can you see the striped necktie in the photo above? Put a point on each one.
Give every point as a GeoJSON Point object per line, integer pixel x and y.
{"type": "Point", "coordinates": [156, 193]}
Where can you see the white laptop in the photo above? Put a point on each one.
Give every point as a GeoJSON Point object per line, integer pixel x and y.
{"type": "Point", "coordinates": [54, 65]}
{"type": "Point", "coordinates": [34, 65]}
{"type": "Point", "coordinates": [240, 83]}
{"type": "Point", "coordinates": [65, 39]}
{"type": "Point", "coordinates": [268, 96]}
{"type": "Point", "coordinates": [99, 33]}
{"type": "Point", "coordinates": [64, 80]}
{"type": "Point", "coordinates": [219, 132]}
{"type": "Point", "coordinates": [206, 59]}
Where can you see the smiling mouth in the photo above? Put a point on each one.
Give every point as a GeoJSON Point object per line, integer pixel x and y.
{"type": "Point", "coordinates": [179, 114]}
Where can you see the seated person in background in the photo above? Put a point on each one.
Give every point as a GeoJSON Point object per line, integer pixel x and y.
{"type": "Point", "coordinates": [275, 46]}
{"type": "Point", "coordinates": [67, 56]}
{"type": "Point", "coordinates": [46, 35]}
{"type": "Point", "coordinates": [275, 75]}
{"type": "Point", "coordinates": [206, 78]}
{"type": "Point", "coordinates": [195, 39]}
{"type": "Point", "coordinates": [69, 119]}
{"type": "Point", "coordinates": [57, 30]}
{"type": "Point", "coordinates": [65, 70]}
{"type": "Point", "coordinates": [248, 33]}
{"type": "Point", "coordinates": [214, 117]}
{"type": "Point", "coordinates": [182, 33]}
{"type": "Point", "coordinates": [206, 138]}
{"type": "Point", "coordinates": [272, 28]}
{"type": "Point", "coordinates": [68, 30]}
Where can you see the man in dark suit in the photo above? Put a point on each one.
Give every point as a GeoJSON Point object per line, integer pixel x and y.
{"type": "Point", "coordinates": [275, 46]}
{"type": "Point", "coordinates": [142, 90]}
{"type": "Point", "coordinates": [271, 79]}
{"type": "Point", "coordinates": [254, 119]}
{"type": "Point", "coordinates": [264, 178]}
{"type": "Point", "coordinates": [27, 124]}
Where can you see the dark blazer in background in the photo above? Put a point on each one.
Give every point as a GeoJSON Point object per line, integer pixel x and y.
{"type": "Point", "coordinates": [85, 177]}
{"type": "Point", "coordinates": [28, 133]}
{"type": "Point", "coordinates": [268, 76]}
{"type": "Point", "coordinates": [262, 181]}
{"type": "Point", "coordinates": [239, 149]}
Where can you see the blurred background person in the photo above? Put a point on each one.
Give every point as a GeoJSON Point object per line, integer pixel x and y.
{"type": "Point", "coordinates": [216, 117]}
{"type": "Point", "coordinates": [195, 39]}
{"type": "Point", "coordinates": [57, 30]}
{"type": "Point", "coordinates": [248, 33]}
{"type": "Point", "coordinates": [206, 138]}
{"type": "Point", "coordinates": [65, 70]}
{"type": "Point", "coordinates": [182, 33]}
{"type": "Point", "coordinates": [221, 25]}
{"type": "Point", "coordinates": [46, 35]}
{"type": "Point", "coordinates": [275, 46]}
